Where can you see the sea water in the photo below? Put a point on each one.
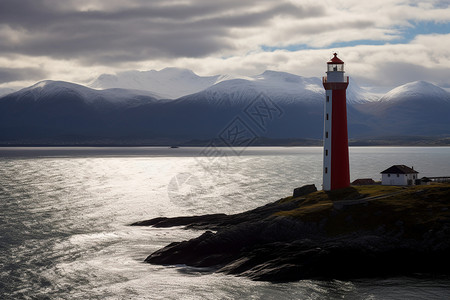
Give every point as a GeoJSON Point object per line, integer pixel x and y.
{"type": "Point", "coordinates": [65, 215]}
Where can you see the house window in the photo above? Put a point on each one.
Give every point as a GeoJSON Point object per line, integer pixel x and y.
{"type": "Point", "coordinates": [398, 175]}
{"type": "Point", "coordinates": [328, 98]}
{"type": "Point", "coordinates": [327, 116]}
{"type": "Point", "coordinates": [326, 134]}
{"type": "Point", "coordinates": [414, 176]}
{"type": "Point", "coordinates": [389, 175]}
{"type": "Point", "coordinates": [326, 170]}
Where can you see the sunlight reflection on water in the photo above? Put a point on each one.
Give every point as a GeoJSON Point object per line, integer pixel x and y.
{"type": "Point", "coordinates": [65, 219]}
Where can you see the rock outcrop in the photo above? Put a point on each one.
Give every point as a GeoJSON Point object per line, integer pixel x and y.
{"type": "Point", "coordinates": [307, 237]}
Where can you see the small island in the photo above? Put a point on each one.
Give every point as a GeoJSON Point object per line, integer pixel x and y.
{"type": "Point", "coordinates": [355, 232]}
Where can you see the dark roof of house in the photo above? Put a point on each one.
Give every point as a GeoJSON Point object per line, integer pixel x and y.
{"type": "Point", "coordinates": [363, 181]}
{"type": "Point", "coordinates": [399, 169]}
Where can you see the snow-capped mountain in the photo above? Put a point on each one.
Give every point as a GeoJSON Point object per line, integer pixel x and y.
{"type": "Point", "coordinates": [56, 110]}
{"type": "Point", "coordinates": [168, 83]}
{"type": "Point", "coordinates": [358, 95]}
{"type": "Point", "coordinates": [416, 108]}
{"type": "Point", "coordinates": [281, 87]}
{"type": "Point", "coordinates": [48, 90]}
{"type": "Point", "coordinates": [172, 83]}
{"type": "Point", "coordinates": [417, 90]}
{"type": "Point", "coordinates": [288, 86]}
{"type": "Point", "coordinates": [6, 91]}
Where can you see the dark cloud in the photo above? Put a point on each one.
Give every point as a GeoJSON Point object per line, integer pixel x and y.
{"type": "Point", "coordinates": [25, 13]}
{"type": "Point", "coordinates": [44, 13]}
{"type": "Point", "coordinates": [154, 29]}
{"type": "Point", "coordinates": [339, 26]}
{"type": "Point", "coordinates": [18, 74]}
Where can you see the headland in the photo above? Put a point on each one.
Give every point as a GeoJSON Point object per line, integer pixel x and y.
{"type": "Point", "coordinates": [356, 232]}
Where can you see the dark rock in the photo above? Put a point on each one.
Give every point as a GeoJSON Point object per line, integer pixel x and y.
{"type": "Point", "coordinates": [339, 259]}
{"type": "Point", "coordinates": [212, 249]}
{"type": "Point", "coordinates": [280, 249]}
{"type": "Point", "coordinates": [263, 245]}
{"type": "Point", "coordinates": [217, 221]}
{"type": "Point", "coordinates": [179, 221]}
{"type": "Point", "coordinates": [304, 190]}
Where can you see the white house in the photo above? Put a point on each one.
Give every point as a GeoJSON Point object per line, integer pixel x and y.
{"type": "Point", "coordinates": [399, 175]}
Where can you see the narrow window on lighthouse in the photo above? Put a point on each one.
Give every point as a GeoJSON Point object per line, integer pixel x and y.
{"type": "Point", "coordinates": [328, 98]}
{"type": "Point", "coordinates": [327, 116]}
{"type": "Point", "coordinates": [326, 152]}
{"type": "Point", "coordinates": [326, 134]}
{"type": "Point", "coordinates": [326, 170]}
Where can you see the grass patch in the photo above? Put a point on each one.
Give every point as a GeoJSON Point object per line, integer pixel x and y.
{"type": "Point", "coordinates": [408, 210]}
{"type": "Point", "coordinates": [377, 190]}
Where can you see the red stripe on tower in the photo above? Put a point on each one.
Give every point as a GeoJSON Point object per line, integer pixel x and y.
{"type": "Point", "coordinates": [336, 171]}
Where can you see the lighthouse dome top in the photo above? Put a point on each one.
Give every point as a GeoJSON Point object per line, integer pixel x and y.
{"type": "Point", "coordinates": [335, 60]}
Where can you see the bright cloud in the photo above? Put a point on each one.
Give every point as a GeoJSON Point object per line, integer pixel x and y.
{"type": "Point", "coordinates": [383, 42]}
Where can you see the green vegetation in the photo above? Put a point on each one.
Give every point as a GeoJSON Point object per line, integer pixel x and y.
{"type": "Point", "coordinates": [410, 211]}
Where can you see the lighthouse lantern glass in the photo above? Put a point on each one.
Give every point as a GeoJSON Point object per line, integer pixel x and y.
{"type": "Point", "coordinates": [335, 67]}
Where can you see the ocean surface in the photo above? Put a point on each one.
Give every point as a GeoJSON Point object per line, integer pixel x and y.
{"type": "Point", "coordinates": [65, 215]}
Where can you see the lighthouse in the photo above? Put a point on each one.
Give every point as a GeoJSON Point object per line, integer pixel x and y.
{"type": "Point", "coordinates": [336, 172]}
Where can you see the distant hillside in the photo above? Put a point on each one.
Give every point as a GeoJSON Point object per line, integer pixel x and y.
{"type": "Point", "coordinates": [271, 108]}
{"type": "Point", "coordinates": [414, 109]}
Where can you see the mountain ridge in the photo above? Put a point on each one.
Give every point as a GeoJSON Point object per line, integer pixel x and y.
{"type": "Point", "coordinates": [164, 82]}
{"type": "Point", "coordinates": [168, 83]}
{"type": "Point", "coordinates": [416, 89]}
{"type": "Point", "coordinates": [51, 111]}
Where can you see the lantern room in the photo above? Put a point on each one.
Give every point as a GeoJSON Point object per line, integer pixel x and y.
{"type": "Point", "coordinates": [335, 70]}
{"type": "Point", "coordinates": [335, 64]}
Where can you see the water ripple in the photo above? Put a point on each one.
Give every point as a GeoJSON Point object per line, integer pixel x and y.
{"type": "Point", "coordinates": [64, 217]}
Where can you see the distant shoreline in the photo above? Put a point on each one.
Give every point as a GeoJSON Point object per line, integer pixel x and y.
{"type": "Point", "coordinates": [259, 142]}
{"type": "Point", "coordinates": [204, 146]}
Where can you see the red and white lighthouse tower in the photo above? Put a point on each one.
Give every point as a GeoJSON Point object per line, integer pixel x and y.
{"type": "Point", "coordinates": [336, 172]}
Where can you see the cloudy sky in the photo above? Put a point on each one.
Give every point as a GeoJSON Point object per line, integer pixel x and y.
{"type": "Point", "coordinates": [384, 43]}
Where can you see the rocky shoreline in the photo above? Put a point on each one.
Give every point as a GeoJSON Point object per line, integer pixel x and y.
{"type": "Point", "coordinates": [306, 236]}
